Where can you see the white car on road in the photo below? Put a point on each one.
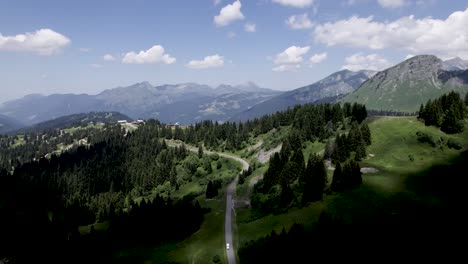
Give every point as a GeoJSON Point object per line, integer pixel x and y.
{"type": "Point", "coordinates": [227, 246]}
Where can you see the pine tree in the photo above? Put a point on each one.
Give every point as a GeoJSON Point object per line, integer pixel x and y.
{"type": "Point", "coordinates": [366, 134]}
{"type": "Point", "coordinates": [451, 124]}
{"type": "Point", "coordinates": [285, 151]}
{"type": "Point", "coordinates": [315, 179]}
{"type": "Point", "coordinates": [328, 152]}
{"type": "Point", "coordinates": [286, 195]}
{"type": "Point", "coordinates": [337, 176]}
{"type": "Point", "coordinates": [421, 112]}
{"type": "Point", "coordinates": [209, 190]}
{"type": "Point", "coordinates": [291, 172]}
{"type": "Point", "coordinates": [200, 151]}
{"type": "Point", "coordinates": [361, 151]}
{"type": "Point", "coordinates": [354, 137]}
{"type": "Point", "coordinates": [298, 158]}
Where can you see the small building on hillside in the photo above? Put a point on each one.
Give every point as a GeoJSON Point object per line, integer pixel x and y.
{"type": "Point", "coordinates": [138, 122]}
{"type": "Point", "coordinates": [176, 124]}
{"type": "Point", "coordinates": [122, 122]}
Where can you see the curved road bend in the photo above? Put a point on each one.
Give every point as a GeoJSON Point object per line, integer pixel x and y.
{"type": "Point", "coordinates": [229, 205]}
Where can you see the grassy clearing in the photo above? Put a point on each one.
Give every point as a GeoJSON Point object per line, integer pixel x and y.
{"type": "Point", "coordinates": [274, 137]}
{"type": "Point", "coordinates": [251, 230]}
{"type": "Point", "coordinates": [19, 140]}
{"type": "Point", "coordinates": [244, 190]}
{"type": "Point", "coordinates": [208, 241]}
{"type": "Point", "coordinates": [71, 130]}
{"type": "Point", "coordinates": [398, 153]}
{"type": "Point", "coordinates": [313, 147]}
{"type": "Point", "coordinates": [201, 247]}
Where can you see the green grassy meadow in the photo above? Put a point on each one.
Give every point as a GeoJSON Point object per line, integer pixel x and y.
{"type": "Point", "coordinates": [398, 153]}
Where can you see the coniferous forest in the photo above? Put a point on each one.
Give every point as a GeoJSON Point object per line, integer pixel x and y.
{"type": "Point", "coordinates": [46, 195]}
{"type": "Point", "coordinates": [100, 172]}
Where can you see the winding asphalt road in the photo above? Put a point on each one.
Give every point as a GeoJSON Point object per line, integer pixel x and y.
{"type": "Point", "coordinates": [231, 256]}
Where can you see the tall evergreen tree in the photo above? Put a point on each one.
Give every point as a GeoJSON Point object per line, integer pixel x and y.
{"type": "Point", "coordinates": [361, 151]}
{"type": "Point", "coordinates": [210, 193]}
{"type": "Point", "coordinates": [366, 134]}
{"type": "Point", "coordinates": [328, 152]}
{"type": "Point", "coordinates": [298, 158]}
{"type": "Point", "coordinates": [421, 112]}
{"type": "Point", "coordinates": [315, 179]}
{"type": "Point", "coordinates": [451, 123]}
{"type": "Point", "coordinates": [286, 195]}
{"type": "Point", "coordinates": [200, 151]}
{"type": "Point", "coordinates": [291, 172]}
{"type": "Point", "coordinates": [337, 177]}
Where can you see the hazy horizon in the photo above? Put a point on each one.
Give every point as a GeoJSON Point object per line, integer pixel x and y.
{"type": "Point", "coordinates": [88, 47]}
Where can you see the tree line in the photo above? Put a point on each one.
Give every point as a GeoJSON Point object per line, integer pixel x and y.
{"type": "Point", "coordinates": [310, 121]}
{"type": "Point", "coordinates": [446, 112]}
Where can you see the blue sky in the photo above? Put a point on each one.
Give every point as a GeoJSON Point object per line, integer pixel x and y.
{"type": "Point", "coordinates": [59, 46]}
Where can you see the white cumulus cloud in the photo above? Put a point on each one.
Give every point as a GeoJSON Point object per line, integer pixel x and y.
{"type": "Point", "coordinates": [291, 55]}
{"type": "Point", "coordinates": [287, 68]}
{"type": "Point", "coordinates": [290, 58]}
{"type": "Point", "coordinates": [108, 57]}
{"type": "Point", "coordinates": [318, 58]}
{"type": "Point", "coordinates": [229, 14]}
{"type": "Point", "coordinates": [155, 54]}
{"type": "Point", "coordinates": [358, 61]}
{"type": "Point", "coordinates": [445, 38]}
{"type": "Point", "coordinates": [213, 61]}
{"type": "Point", "coordinates": [43, 42]}
{"type": "Point", "coordinates": [250, 27]}
{"type": "Point", "coordinates": [392, 3]}
{"type": "Point", "coordinates": [295, 3]}
{"type": "Point", "coordinates": [299, 22]}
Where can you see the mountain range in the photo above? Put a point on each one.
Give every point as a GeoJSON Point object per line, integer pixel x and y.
{"type": "Point", "coordinates": [401, 88]}
{"type": "Point", "coordinates": [184, 103]}
{"type": "Point", "coordinates": [8, 124]}
{"type": "Point", "coordinates": [407, 85]}
{"type": "Point", "coordinates": [338, 83]}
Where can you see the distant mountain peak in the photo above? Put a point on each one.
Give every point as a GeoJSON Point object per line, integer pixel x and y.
{"type": "Point", "coordinates": [144, 84]}
{"type": "Point", "coordinates": [405, 86]}
{"type": "Point", "coordinates": [455, 64]}
{"type": "Point", "coordinates": [249, 84]}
